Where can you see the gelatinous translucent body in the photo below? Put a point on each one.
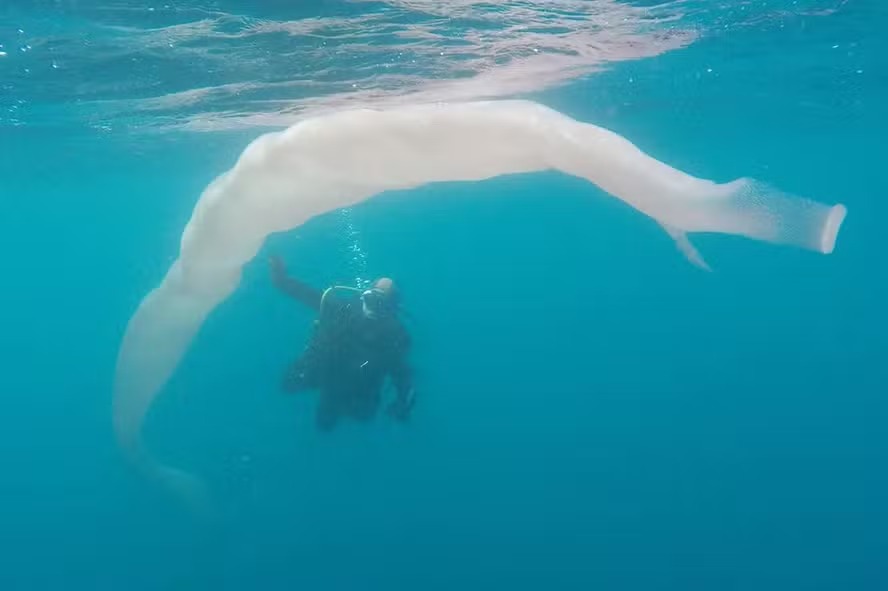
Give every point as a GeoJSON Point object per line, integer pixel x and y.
{"type": "Point", "coordinates": [284, 178]}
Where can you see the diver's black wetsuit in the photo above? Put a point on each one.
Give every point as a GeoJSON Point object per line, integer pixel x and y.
{"type": "Point", "coordinates": [348, 358]}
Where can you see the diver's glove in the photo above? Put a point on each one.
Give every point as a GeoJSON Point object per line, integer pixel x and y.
{"type": "Point", "coordinates": [278, 269]}
{"type": "Point", "coordinates": [400, 408]}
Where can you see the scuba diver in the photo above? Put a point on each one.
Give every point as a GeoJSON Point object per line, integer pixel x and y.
{"type": "Point", "coordinates": [356, 343]}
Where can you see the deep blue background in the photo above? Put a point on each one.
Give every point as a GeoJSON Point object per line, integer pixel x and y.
{"type": "Point", "coordinates": [594, 410]}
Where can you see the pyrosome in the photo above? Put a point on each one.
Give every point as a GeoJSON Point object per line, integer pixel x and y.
{"type": "Point", "coordinates": [332, 161]}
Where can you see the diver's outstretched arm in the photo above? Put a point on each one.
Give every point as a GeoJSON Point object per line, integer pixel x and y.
{"type": "Point", "coordinates": [294, 288]}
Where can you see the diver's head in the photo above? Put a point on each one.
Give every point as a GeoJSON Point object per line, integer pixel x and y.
{"type": "Point", "coordinates": [381, 299]}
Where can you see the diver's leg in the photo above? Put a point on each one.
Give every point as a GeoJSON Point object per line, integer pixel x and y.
{"type": "Point", "coordinates": [365, 404]}
{"type": "Point", "coordinates": [328, 411]}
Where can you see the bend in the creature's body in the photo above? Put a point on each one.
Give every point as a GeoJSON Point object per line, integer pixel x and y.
{"type": "Point", "coordinates": [285, 178]}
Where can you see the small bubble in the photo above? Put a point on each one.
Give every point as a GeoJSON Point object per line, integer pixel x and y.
{"type": "Point", "coordinates": [27, 70]}
{"type": "Point", "coordinates": [2, 54]}
{"type": "Point", "coordinates": [150, 9]}
{"type": "Point", "coordinates": [55, 66]}
{"type": "Point", "coordinates": [440, 53]}
{"type": "Point", "coordinates": [836, 46]}
{"type": "Point", "coordinates": [860, 71]}
{"type": "Point", "coordinates": [21, 32]}
{"type": "Point", "coordinates": [536, 50]}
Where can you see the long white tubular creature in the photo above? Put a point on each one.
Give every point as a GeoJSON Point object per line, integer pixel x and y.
{"type": "Point", "coordinates": [282, 179]}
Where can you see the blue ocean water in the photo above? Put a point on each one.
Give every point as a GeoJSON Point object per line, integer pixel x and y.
{"type": "Point", "coordinates": [594, 412]}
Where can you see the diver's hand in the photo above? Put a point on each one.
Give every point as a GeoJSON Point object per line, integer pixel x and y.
{"type": "Point", "coordinates": [278, 268]}
{"type": "Point", "coordinates": [400, 409]}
